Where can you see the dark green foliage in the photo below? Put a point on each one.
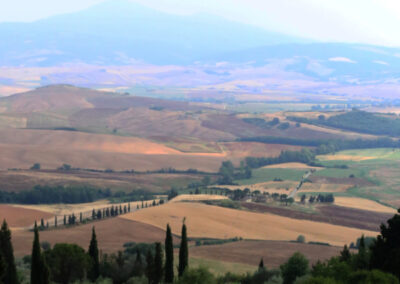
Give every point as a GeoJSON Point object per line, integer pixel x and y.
{"type": "Point", "coordinates": [169, 256]}
{"type": "Point", "coordinates": [36, 166]}
{"type": "Point", "coordinates": [362, 259]}
{"type": "Point", "coordinates": [69, 263]}
{"type": "Point", "coordinates": [197, 276]}
{"type": "Point", "coordinates": [296, 266]}
{"type": "Point", "coordinates": [306, 156]}
{"type": "Point", "coordinates": [158, 265]}
{"type": "Point", "coordinates": [39, 269]}
{"type": "Point", "coordinates": [93, 252]}
{"type": "Point", "coordinates": [183, 252]}
{"type": "Point", "coordinates": [7, 251]}
{"type": "Point", "coordinates": [261, 264]}
{"type": "Point", "coordinates": [3, 268]}
{"type": "Point", "coordinates": [359, 121]}
{"type": "Point", "coordinates": [149, 266]}
{"type": "Point", "coordinates": [226, 172]}
{"type": "Point", "coordinates": [59, 194]}
{"type": "Point", "coordinates": [372, 277]}
{"type": "Point", "coordinates": [171, 194]}
{"type": "Point", "coordinates": [345, 254]}
{"type": "Point", "coordinates": [385, 252]}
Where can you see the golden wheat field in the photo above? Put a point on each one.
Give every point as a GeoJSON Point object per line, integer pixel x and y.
{"type": "Point", "coordinates": [217, 222]}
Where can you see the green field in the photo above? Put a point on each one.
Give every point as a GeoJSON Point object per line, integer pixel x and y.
{"type": "Point", "coordinates": [220, 268]}
{"type": "Point", "coordinates": [265, 174]}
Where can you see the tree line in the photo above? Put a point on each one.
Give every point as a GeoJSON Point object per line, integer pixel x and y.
{"type": "Point", "coordinates": [69, 194]}
{"type": "Point", "coordinates": [358, 121]}
{"type": "Point", "coordinates": [145, 263]}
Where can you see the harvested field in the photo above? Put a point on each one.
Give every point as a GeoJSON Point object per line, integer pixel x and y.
{"type": "Point", "coordinates": [217, 222]}
{"type": "Point", "coordinates": [274, 253]}
{"type": "Point", "coordinates": [363, 204]}
{"type": "Point", "coordinates": [111, 235]}
{"type": "Point", "coordinates": [197, 197]}
{"type": "Point", "coordinates": [332, 214]}
{"type": "Point", "coordinates": [339, 180]}
{"type": "Point", "coordinates": [323, 187]}
{"type": "Point", "coordinates": [23, 147]}
{"type": "Point", "coordinates": [291, 166]}
{"type": "Point", "coordinates": [21, 217]}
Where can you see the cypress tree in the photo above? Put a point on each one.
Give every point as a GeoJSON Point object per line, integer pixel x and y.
{"type": "Point", "coordinates": [129, 207]}
{"type": "Point", "coordinates": [169, 257]}
{"type": "Point", "coordinates": [39, 269]}
{"type": "Point", "coordinates": [149, 266]}
{"type": "Point", "coordinates": [41, 223]}
{"type": "Point", "coordinates": [3, 268]}
{"type": "Point", "coordinates": [158, 264]}
{"type": "Point", "coordinates": [183, 251]}
{"type": "Point", "coordinates": [7, 252]}
{"type": "Point", "coordinates": [345, 254]}
{"type": "Point", "coordinates": [94, 255]}
{"type": "Point", "coordinates": [261, 264]}
{"type": "Point", "coordinates": [80, 218]}
{"type": "Point", "coordinates": [55, 221]}
{"type": "Point", "coordinates": [93, 214]}
{"type": "Point", "coordinates": [65, 220]}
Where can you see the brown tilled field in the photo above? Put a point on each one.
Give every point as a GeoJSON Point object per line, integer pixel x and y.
{"type": "Point", "coordinates": [331, 214]}
{"type": "Point", "coordinates": [21, 217]}
{"type": "Point", "coordinates": [217, 222]}
{"type": "Point", "coordinates": [274, 253]}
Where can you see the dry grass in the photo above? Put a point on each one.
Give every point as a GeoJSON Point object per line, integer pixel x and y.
{"type": "Point", "coordinates": [197, 197]}
{"type": "Point", "coordinates": [364, 204]}
{"type": "Point", "coordinates": [217, 222]}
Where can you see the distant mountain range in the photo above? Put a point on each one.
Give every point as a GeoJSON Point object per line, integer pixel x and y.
{"type": "Point", "coordinates": [210, 51]}
{"type": "Point", "coordinates": [122, 32]}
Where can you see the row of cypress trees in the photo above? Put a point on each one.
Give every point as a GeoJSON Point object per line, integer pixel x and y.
{"type": "Point", "coordinates": [8, 271]}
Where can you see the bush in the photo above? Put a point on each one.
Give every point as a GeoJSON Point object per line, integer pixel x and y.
{"type": "Point", "coordinates": [301, 239]}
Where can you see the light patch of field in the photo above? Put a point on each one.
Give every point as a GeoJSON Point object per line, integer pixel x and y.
{"type": "Point", "coordinates": [364, 204]}
{"type": "Point", "coordinates": [197, 197]}
{"type": "Point", "coordinates": [267, 174]}
{"type": "Point", "coordinates": [291, 166]}
{"type": "Point", "coordinates": [362, 155]}
{"type": "Point", "coordinates": [66, 209]}
{"type": "Point", "coordinates": [341, 157]}
{"type": "Point", "coordinates": [217, 222]}
{"type": "Point", "coordinates": [324, 187]}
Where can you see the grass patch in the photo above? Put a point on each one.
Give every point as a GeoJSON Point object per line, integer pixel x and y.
{"type": "Point", "coordinates": [219, 268]}
{"type": "Point", "coordinates": [266, 174]}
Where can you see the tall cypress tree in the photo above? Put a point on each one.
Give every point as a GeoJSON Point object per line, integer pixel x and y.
{"type": "Point", "coordinates": [8, 255]}
{"type": "Point", "coordinates": [183, 251]}
{"type": "Point", "coordinates": [39, 269]}
{"type": "Point", "coordinates": [158, 264]}
{"type": "Point", "coordinates": [169, 257]}
{"type": "Point", "coordinates": [261, 264]}
{"type": "Point", "coordinates": [3, 268]}
{"type": "Point", "coordinates": [149, 266]}
{"type": "Point", "coordinates": [94, 255]}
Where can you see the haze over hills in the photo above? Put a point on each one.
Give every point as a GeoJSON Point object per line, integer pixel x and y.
{"type": "Point", "coordinates": [123, 45]}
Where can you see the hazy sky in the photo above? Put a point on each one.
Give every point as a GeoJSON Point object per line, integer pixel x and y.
{"type": "Point", "coordinates": [366, 21]}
